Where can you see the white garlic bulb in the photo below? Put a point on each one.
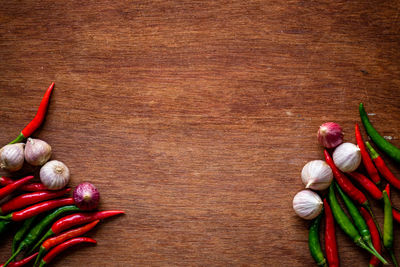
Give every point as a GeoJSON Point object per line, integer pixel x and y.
{"type": "Point", "coordinates": [37, 152]}
{"type": "Point", "coordinates": [54, 175]}
{"type": "Point", "coordinates": [347, 157]}
{"type": "Point", "coordinates": [317, 175]}
{"type": "Point", "coordinates": [307, 204]}
{"type": "Point", "coordinates": [12, 157]}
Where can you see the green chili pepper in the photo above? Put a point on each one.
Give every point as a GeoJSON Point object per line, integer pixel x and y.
{"type": "Point", "coordinates": [388, 227]}
{"type": "Point", "coordinates": [35, 233]}
{"type": "Point", "coordinates": [358, 220]}
{"type": "Point", "coordinates": [19, 236]}
{"type": "Point", "coordinates": [314, 244]}
{"type": "Point", "coordinates": [391, 150]}
{"type": "Point", "coordinates": [347, 226]}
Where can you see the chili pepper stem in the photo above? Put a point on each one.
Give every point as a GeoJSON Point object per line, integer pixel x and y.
{"type": "Point", "coordinates": [42, 263]}
{"type": "Point", "coordinates": [48, 234]}
{"type": "Point", "coordinates": [20, 138]}
{"type": "Point", "coordinates": [393, 258]}
{"type": "Point", "coordinates": [13, 256]}
{"type": "Point", "coordinates": [361, 244]}
{"type": "Point", "coordinates": [7, 217]}
{"type": "Point", "coordinates": [39, 257]}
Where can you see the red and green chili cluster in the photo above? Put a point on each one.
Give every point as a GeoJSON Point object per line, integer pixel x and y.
{"type": "Point", "coordinates": [353, 213]}
{"type": "Point", "coordinates": [47, 221]}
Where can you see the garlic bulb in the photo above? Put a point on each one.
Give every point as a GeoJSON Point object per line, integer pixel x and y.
{"type": "Point", "coordinates": [347, 157]}
{"type": "Point", "coordinates": [54, 175]}
{"type": "Point", "coordinates": [12, 157]}
{"type": "Point", "coordinates": [317, 175]}
{"type": "Point", "coordinates": [330, 135]}
{"type": "Point", "coordinates": [37, 152]}
{"type": "Point", "coordinates": [307, 204]}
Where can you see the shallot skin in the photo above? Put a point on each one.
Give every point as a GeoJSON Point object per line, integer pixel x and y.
{"type": "Point", "coordinates": [330, 135]}
{"type": "Point", "coordinates": [86, 196]}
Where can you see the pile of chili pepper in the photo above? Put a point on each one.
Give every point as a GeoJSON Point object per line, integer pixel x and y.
{"type": "Point", "coordinates": [359, 222]}
{"type": "Point", "coordinates": [47, 221]}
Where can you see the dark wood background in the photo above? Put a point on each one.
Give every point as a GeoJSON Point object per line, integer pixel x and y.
{"type": "Point", "coordinates": [196, 117]}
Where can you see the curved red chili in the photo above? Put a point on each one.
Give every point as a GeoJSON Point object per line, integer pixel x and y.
{"type": "Point", "coordinates": [8, 189]}
{"type": "Point", "coordinates": [376, 240]}
{"type": "Point", "coordinates": [382, 168]}
{"type": "Point", "coordinates": [369, 166]}
{"type": "Point", "coordinates": [63, 246]}
{"type": "Point", "coordinates": [54, 241]}
{"type": "Point", "coordinates": [330, 237]}
{"type": "Point", "coordinates": [25, 200]}
{"type": "Point", "coordinates": [30, 187]}
{"type": "Point", "coordinates": [37, 209]}
{"type": "Point", "coordinates": [38, 119]}
{"type": "Point", "coordinates": [345, 183]}
{"type": "Point", "coordinates": [81, 218]}
{"type": "Point", "coordinates": [76, 219]}
{"type": "Point", "coordinates": [51, 242]}
{"type": "Point", "coordinates": [21, 262]}
{"type": "Point", "coordinates": [367, 184]}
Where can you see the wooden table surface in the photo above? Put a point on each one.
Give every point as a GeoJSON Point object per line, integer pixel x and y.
{"type": "Point", "coordinates": [196, 117]}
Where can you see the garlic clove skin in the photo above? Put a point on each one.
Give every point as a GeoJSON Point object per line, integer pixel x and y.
{"type": "Point", "coordinates": [330, 135]}
{"type": "Point", "coordinates": [54, 175]}
{"type": "Point", "coordinates": [317, 175]}
{"type": "Point", "coordinates": [307, 204]}
{"type": "Point", "coordinates": [347, 157]}
{"type": "Point", "coordinates": [12, 157]}
{"type": "Point", "coordinates": [37, 152]}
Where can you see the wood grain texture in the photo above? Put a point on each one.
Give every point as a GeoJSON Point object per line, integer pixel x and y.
{"type": "Point", "coordinates": [196, 117]}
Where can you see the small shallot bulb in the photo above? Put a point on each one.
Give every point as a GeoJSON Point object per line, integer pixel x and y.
{"type": "Point", "coordinates": [347, 157]}
{"type": "Point", "coordinates": [307, 204]}
{"type": "Point", "coordinates": [37, 152]}
{"type": "Point", "coordinates": [330, 135]}
{"type": "Point", "coordinates": [54, 175]}
{"type": "Point", "coordinates": [317, 175]}
{"type": "Point", "coordinates": [12, 157]}
{"type": "Point", "coordinates": [86, 196]}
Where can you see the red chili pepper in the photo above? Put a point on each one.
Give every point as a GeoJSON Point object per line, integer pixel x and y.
{"type": "Point", "coordinates": [330, 237]}
{"type": "Point", "coordinates": [396, 215]}
{"type": "Point", "coordinates": [382, 168]}
{"type": "Point", "coordinates": [367, 184]}
{"type": "Point", "coordinates": [345, 183]}
{"type": "Point", "coordinates": [31, 198]}
{"type": "Point", "coordinates": [376, 240]}
{"type": "Point", "coordinates": [63, 246]}
{"type": "Point", "coordinates": [76, 219]}
{"type": "Point", "coordinates": [369, 166]}
{"type": "Point", "coordinates": [21, 262]}
{"type": "Point", "coordinates": [37, 209]}
{"type": "Point", "coordinates": [30, 187]}
{"type": "Point", "coordinates": [8, 189]}
{"type": "Point", "coordinates": [38, 119]}
{"type": "Point", "coordinates": [81, 218]}
{"type": "Point", "coordinates": [33, 187]}
{"type": "Point", "coordinates": [54, 241]}
{"type": "Point", "coordinates": [51, 242]}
